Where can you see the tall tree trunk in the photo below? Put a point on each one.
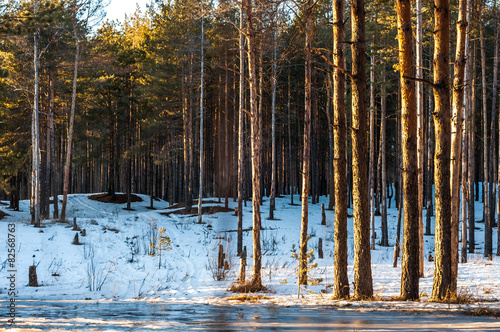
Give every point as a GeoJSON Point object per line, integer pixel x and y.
{"type": "Point", "coordinates": [341, 281]}
{"type": "Point", "coordinates": [306, 159]}
{"type": "Point", "coordinates": [430, 170]}
{"type": "Point", "coordinates": [35, 136]}
{"type": "Point", "coordinates": [486, 194]}
{"type": "Point", "coordinates": [496, 183]}
{"type": "Point", "coordinates": [202, 86]}
{"type": "Point", "coordinates": [363, 284]}
{"type": "Point", "coordinates": [442, 274]}
{"type": "Point", "coordinates": [411, 245]}
{"type": "Point", "coordinates": [371, 171]}
{"type": "Point", "coordinates": [272, 204]}
{"type": "Point", "coordinates": [456, 138]}
{"type": "Point", "coordinates": [465, 140]}
{"type": "Point", "coordinates": [241, 148]}
{"type": "Point", "coordinates": [383, 128]}
{"type": "Point", "coordinates": [256, 140]}
{"type": "Point", "coordinates": [331, 181]}
{"type": "Point", "coordinates": [227, 157]}
{"type": "Point", "coordinates": [290, 154]}
{"type": "Point", "coordinates": [71, 121]}
{"type": "Point", "coordinates": [471, 172]}
{"type": "Point", "coordinates": [55, 185]}
{"type": "Point", "coordinates": [493, 164]}
{"type": "Point", "coordinates": [188, 133]}
{"type": "Point", "coordinates": [420, 137]}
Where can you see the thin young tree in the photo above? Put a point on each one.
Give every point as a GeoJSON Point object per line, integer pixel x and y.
{"type": "Point", "coordinates": [308, 11]}
{"type": "Point", "coordinates": [202, 86]}
{"type": "Point", "coordinates": [272, 199]}
{"type": "Point", "coordinates": [456, 137]}
{"type": "Point", "coordinates": [410, 271]}
{"type": "Point", "coordinates": [241, 151]}
{"type": "Point", "coordinates": [90, 10]}
{"type": "Point", "coordinates": [486, 193]}
{"type": "Point", "coordinates": [35, 132]}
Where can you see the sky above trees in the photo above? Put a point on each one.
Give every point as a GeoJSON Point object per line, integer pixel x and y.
{"type": "Point", "coordinates": [117, 9]}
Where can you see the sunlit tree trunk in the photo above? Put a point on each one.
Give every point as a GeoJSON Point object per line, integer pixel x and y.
{"type": "Point", "coordinates": [411, 247]}
{"type": "Point", "coordinates": [341, 281]}
{"type": "Point", "coordinates": [420, 136]}
{"type": "Point", "coordinates": [456, 138]}
{"type": "Point", "coordinates": [35, 135]}
{"type": "Point", "coordinates": [256, 143]}
{"type": "Point", "coordinates": [371, 171]}
{"type": "Point", "coordinates": [442, 269]}
{"type": "Point", "coordinates": [363, 284]}
{"type": "Point", "coordinates": [383, 128]}
{"type": "Point", "coordinates": [306, 159]}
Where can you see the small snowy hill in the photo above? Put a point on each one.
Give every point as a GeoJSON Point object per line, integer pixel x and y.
{"type": "Point", "coordinates": [115, 260]}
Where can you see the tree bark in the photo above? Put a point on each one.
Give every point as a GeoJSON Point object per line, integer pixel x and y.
{"type": "Point", "coordinates": [71, 121]}
{"type": "Point", "coordinates": [241, 148]}
{"type": "Point", "coordinates": [456, 138]}
{"type": "Point", "coordinates": [442, 274]}
{"type": "Point", "coordinates": [420, 137]}
{"type": "Point", "coordinates": [363, 284]}
{"type": "Point", "coordinates": [272, 204]}
{"type": "Point", "coordinates": [410, 271]}
{"type": "Point", "coordinates": [486, 194]}
{"type": "Point", "coordinates": [256, 143]}
{"type": "Point", "coordinates": [55, 186]}
{"type": "Point", "coordinates": [35, 135]}
{"type": "Point", "coordinates": [202, 156]}
{"type": "Point", "coordinates": [341, 281]}
{"type": "Point", "coordinates": [383, 128]}
{"type": "Point", "coordinates": [371, 171]}
{"type": "Point", "coordinates": [306, 159]}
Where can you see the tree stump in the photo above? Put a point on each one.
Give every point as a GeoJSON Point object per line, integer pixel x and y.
{"type": "Point", "coordinates": [220, 257]}
{"type": "Point", "coordinates": [243, 264]}
{"type": "Point", "coordinates": [323, 215]}
{"type": "Point", "coordinates": [320, 248]}
{"type": "Point", "coordinates": [83, 232]}
{"type": "Point", "coordinates": [33, 282]}
{"type": "Point", "coordinates": [75, 226]}
{"type": "Point", "coordinates": [76, 241]}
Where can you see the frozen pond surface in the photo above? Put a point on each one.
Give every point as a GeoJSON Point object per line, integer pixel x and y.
{"type": "Point", "coordinates": [143, 316]}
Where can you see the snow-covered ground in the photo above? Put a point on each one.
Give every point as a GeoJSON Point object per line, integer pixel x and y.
{"type": "Point", "coordinates": [66, 271]}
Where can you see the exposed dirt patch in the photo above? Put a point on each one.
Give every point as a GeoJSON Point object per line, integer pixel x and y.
{"type": "Point", "coordinates": [3, 215]}
{"type": "Point", "coordinates": [204, 210]}
{"type": "Point", "coordinates": [119, 198]}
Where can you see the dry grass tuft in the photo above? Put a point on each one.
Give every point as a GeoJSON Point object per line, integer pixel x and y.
{"type": "Point", "coordinates": [248, 287]}
{"type": "Point", "coordinates": [247, 298]}
{"type": "Point", "coordinates": [483, 311]}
